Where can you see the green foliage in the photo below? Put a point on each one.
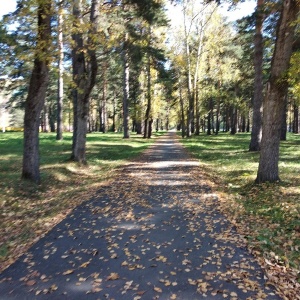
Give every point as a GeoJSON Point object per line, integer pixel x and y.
{"type": "Point", "coordinates": [268, 214]}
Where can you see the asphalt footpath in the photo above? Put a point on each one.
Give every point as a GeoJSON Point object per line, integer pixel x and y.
{"type": "Point", "coordinates": [153, 232]}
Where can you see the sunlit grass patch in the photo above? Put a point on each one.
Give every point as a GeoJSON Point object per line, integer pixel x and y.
{"type": "Point", "coordinates": [268, 213]}
{"type": "Point", "coordinates": [28, 210]}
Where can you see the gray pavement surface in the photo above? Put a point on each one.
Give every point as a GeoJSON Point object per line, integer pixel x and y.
{"type": "Point", "coordinates": [154, 232]}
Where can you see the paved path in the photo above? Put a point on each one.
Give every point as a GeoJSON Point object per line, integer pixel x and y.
{"type": "Point", "coordinates": [154, 232]}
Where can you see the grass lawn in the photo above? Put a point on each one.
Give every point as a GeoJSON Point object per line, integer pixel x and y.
{"type": "Point", "coordinates": [27, 210]}
{"type": "Point", "coordinates": [267, 214]}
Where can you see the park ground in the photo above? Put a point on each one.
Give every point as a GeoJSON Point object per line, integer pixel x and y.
{"type": "Point", "coordinates": [266, 215]}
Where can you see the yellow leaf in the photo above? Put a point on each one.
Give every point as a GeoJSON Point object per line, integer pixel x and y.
{"type": "Point", "coordinates": [113, 276]}
{"type": "Point", "coordinates": [31, 282]}
{"type": "Point", "coordinates": [157, 289]}
{"type": "Point", "coordinates": [68, 272]}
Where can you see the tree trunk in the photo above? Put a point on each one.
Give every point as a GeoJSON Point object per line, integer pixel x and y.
{"type": "Point", "coordinates": [284, 120]}
{"type": "Point", "coordinates": [276, 91]}
{"type": "Point", "coordinates": [197, 113]}
{"type": "Point", "coordinates": [258, 81]}
{"type": "Point", "coordinates": [148, 117]}
{"type": "Point", "coordinates": [104, 99]}
{"type": "Point", "coordinates": [36, 94]}
{"type": "Point", "coordinates": [181, 109]}
{"type": "Point", "coordinates": [296, 119]}
{"type": "Point", "coordinates": [234, 119]}
{"type": "Point", "coordinates": [60, 89]}
{"type": "Point", "coordinates": [125, 88]}
{"type": "Point", "coordinates": [84, 76]}
{"type": "Point", "coordinates": [218, 117]}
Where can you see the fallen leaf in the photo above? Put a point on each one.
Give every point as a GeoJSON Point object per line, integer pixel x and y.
{"type": "Point", "coordinates": [157, 289]}
{"type": "Point", "coordinates": [31, 282]}
{"type": "Point", "coordinates": [68, 272]}
{"type": "Point", "coordinates": [113, 276]}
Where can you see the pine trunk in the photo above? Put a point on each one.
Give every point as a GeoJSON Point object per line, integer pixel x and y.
{"type": "Point", "coordinates": [256, 132]}
{"type": "Point", "coordinates": [277, 88]}
{"type": "Point", "coordinates": [60, 92]}
{"type": "Point", "coordinates": [36, 94]}
{"type": "Point", "coordinates": [84, 77]}
{"type": "Point", "coordinates": [125, 90]}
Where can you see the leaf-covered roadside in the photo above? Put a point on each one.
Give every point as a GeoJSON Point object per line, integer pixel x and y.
{"type": "Point", "coordinates": [29, 211]}
{"type": "Point", "coordinates": [267, 214]}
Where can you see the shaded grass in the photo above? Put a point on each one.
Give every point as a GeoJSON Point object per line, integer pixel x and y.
{"type": "Point", "coordinates": [268, 214]}
{"type": "Point", "coordinates": [28, 210]}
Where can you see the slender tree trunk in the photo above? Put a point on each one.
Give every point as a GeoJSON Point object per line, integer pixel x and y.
{"type": "Point", "coordinates": [148, 117]}
{"type": "Point", "coordinates": [51, 119]}
{"type": "Point", "coordinates": [209, 123]}
{"type": "Point", "coordinates": [189, 76]}
{"type": "Point", "coordinates": [181, 110]}
{"type": "Point", "coordinates": [296, 118]}
{"type": "Point", "coordinates": [60, 89]}
{"type": "Point", "coordinates": [104, 99]}
{"type": "Point", "coordinates": [100, 117]}
{"type": "Point", "coordinates": [197, 113]}
{"type": "Point", "coordinates": [218, 117]}
{"type": "Point", "coordinates": [276, 91]}
{"type": "Point", "coordinates": [256, 132]}
{"type": "Point", "coordinates": [234, 119]}
{"type": "Point", "coordinates": [284, 119]}
{"type": "Point", "coordinates": [114, 114]}
{"type": "Point", "coordinates": [36, 93]}
{"type": "Point", "coordinates": [125, 88]}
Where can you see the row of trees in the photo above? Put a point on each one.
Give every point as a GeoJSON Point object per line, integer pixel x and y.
{"type": "Point", "coordinates": [97, 65]}
{"type": "Point", "coordinates": [225, 76]}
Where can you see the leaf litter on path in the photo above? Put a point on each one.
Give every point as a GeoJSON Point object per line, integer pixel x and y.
{"type": "Point", "coordinates": [155, 232]}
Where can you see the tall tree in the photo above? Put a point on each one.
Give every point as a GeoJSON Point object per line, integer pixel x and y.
{"type": "Point", "coordinates": [85, 68]}
{"type": "Point", "coordinates": [37, 92]}
{"type": "Point", "coordinates": [125, 59]}
{"type": "Point", "coordinates": [258, 81]}
{"type": "Point", "coordinates": [60, 81]}
{"type": "Point", "coordinates": [276, 91]}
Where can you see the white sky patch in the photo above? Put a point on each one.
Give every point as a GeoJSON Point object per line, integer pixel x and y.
{"type": "Point", "coordinates": [174, 12]}
{"type": "Point", "coordinates": [243, 9]}
{"type": "Point", "coordinates": [7, 6]}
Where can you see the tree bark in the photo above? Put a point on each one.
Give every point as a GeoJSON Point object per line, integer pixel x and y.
{"type": "Point", "coordinates": [125, 88]}
{"type": "Point", "coordinates": [295, 118]}
{"type": "Point", "coordinates": [60, 89]}
{"type": "Point", "coordinates": [148, 117]}
{"type": "Point", "coordinates": [256, 132]}
{"type": "Point", "coordinates": [84, 76]}
{"type": "Point", "coordinates": [36, 94]}
{"type": "Point", "coordinates": [284, 120]}
{"type": "Point", "coordinates": [276, 91]}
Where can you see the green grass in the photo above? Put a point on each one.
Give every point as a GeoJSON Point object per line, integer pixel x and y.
{"type": "Point", "coordinates": [28, 210]}
{"type": "Point", "coordinates": [268, 213]}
